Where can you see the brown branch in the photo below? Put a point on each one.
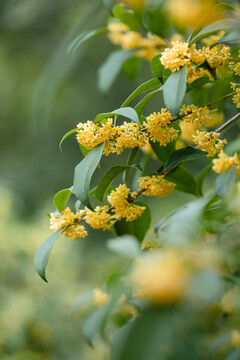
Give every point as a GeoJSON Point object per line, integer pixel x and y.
{"type": "Point", "coordinates": [228, 123]}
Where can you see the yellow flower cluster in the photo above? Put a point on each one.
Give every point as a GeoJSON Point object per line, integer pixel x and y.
{"type": "Point", "coordinates": [236, 98]}
{"type": "Point", "coordinates": [157, 126]}
{"type": "Point", "coordinates": [235, 338]}
{"type": "Point", "coordinates": [182, 54]}
{"type": "Point", "coordinates": [71, 220]}
{"type": "Point", "coordinates": [209, 142]}
{"type": "Point", "coordinates": [148, 47]}
{"type": "Point", "coordinates": [156, 186]}
{"type": "Point", "coordinates": [161, 279]}
{"type": "Point", "coordinates": [200, 116]}
{"type": "Point", "coordinates": [225, 162]}
{"type": "Point", "coordinates": [117, 138]}
{"type": "Point", "coordinates": [99, 218]}
{"type": "Point", "coordinates": [100, 297]}
{"type": "Point", "coordinates": [122, 208]}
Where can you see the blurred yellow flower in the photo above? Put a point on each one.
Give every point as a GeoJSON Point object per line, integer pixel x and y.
{"type": "Point", "coordinates": [235, 339]}
{"type": "Point", "coordinates": [100, 297]}
{"type": "Point", "coordinates": [156, 186]}
{"type": "Point", "coordinates": [209, 142]}
{"type": "Point", "coordinates": [225, 162]}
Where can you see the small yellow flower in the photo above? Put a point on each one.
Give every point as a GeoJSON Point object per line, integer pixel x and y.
{"type": "Point", "coordinates": [157, 126]}
{"type": "Point", "coordinates": [99, 218]}
{"type": "Point", "coordinates": [161, 279]}
{"type": "Point", "coordinates": [236, 98]}
{"type": "Point", "coordinates": [156, 186]}
{"type": "Point", "coordinates": [209, 142]}
{"type": "Point", "coordinates": [100, 297]}
{"type": "Point", "coordinates": [198, 116]}
{"type": "Point", "coordinates": [225, 162]}
{"type": "Point", "coordinates": [75, 231]}
{"type": "Point", "coordinates": [235, 339]}
{"type": "Point", "coordinates": [122, 208]}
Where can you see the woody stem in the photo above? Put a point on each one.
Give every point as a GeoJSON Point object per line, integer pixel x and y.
{"type": "Point", "coordinates": [228, 123]}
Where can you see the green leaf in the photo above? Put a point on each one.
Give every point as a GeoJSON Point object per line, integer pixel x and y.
{"type": "Point", "coordinates": [184, 180]}
{"type": "Point", "coordinates": [138, 227]}
{"type": "Point", "coordinates": [157, 67]}
{"type": "Point", "coordinates": [143, 103]}
{"type": "Point", "coordinates": [198, 83]}
{"type": "Point", "coordinates": [131, 66]}
{"type": "Point", "coordinates": [224, 181]}
{"type": "Point", "coordinates": [65, 136]}
{"type": "Point", "coordinates": [43, 251]}
{"type": "Point", "coordinates": [133, 153]}
{"type": "Point", "coordinates": [109, 70]}
{"type": "Point", "coordinates": [127, 112]}
{"type": "Point", "coordinates": [179, 156]}
{"type": "Point", "coordinates": [174, 90]}
{"type": "Point", "coordinates": [148, 85]}
{"type": "Point", "coordinates": [80, 301]}
{"type": "Point", "coordinates": [219, 342]}
{"type": "Point", "coordinates": [201, 177]}
{"type": "Point", "coordinates": [83, 174]}
{"type": "Point", "coordinates": [126, 16]}
{"type": "Point", "coordinates": [94, 322]}
{"type": "Point", "coordinates": [235, 355]}
{"type": "Point", "coordinates": [83, 37]}
{"type": "Point", "coordinates": [61, 198]}
{"type": "Point", "coordinates": [126, 245]}
{"type": "Point", "coordinates": [107, 179]}
{"type": "Point", "coordinates": [84, 150]}
{"type": "Point", "coordinates": [228, 39]}
{"type": "Point", "coordinates": [226, 25]}
{"type": "Point", "coordinates": [201, 24]}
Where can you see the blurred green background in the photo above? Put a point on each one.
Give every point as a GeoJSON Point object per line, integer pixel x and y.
{"type": "Point", "coordinates": [45, 92]}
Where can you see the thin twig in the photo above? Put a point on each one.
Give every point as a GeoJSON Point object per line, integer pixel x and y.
{"type": "Point", "coordinates": [229, 122]}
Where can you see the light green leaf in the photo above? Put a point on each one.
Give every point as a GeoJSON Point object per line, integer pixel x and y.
{"type": "Point", "coordinates": [65, 136]}
{"type": "Point", "coordinates": [83, 174]}
{"type": "Point", "coordinates": [224, 181]}
{"type": "Point", "coordinates": [174, 90]}
{"type": "Point", "coordinates": [226, 25]}
{"type": "Point", "coordinates": [201, 177]}
{"type": "Point", "coordinates": [219, 342]}
{"type": "Point", "coordinates": [111, 67]}
{"type": "Point", "coordinates": [61, 198]}
{"type": "Point", "coordinates": [94, 322]}
{"type": "Point", "coordinates": [80, 301]}
{"type": "Point", "coordinates": [127, 112]}
{"type": "Point", "coordinates": [84, 36]}
{"type": "Point", "coordinates": [126, 245]}
{"type": "Point", "coordinates": [179, 156]}
{"type": "Point", "coordinates": [235, 355]}
{"type": "Point", "coordinates": [107, 178]}
{"type": "Point", "coordinates": [148, 85]}
{"type": "Point", "coordinates": [43, 251]}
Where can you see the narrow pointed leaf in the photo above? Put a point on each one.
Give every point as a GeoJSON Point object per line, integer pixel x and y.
{"type": "Point", "coordinates": [94, 322]}
{"type": "Point", "coordinates": [66, 136]}
{"type": "Point", "coordinates": [83, 174]}
{"type": "Point", "coordinates": [42, 253]}
{"type": "Point", "coordinates": [184, 180]}
{"type": "Point", "coordinates": [127, 112]}
{"type": "Point", "coordinates": [143, 103]}
{"type": "Point", "coordinates": [80, 39]}
{"type": "Point", "coordinates": [126, 245]}
{"type": "Point", "coordinates": [157, 67]}
{"type": "Point", "coordinates": [179, 156]}
{"type": "Point", "coordinates": [174, 90]}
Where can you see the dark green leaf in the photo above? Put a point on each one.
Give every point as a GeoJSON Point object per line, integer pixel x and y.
{"type": "Point", "coordinates": [65, 136]}
{"type": "Point", "coordinates": [224, 181]}
{"type": "Point", "coordinates": [107, 178]}
{"type": "Point", "coordinates": [84, 150]}
{"type": "Point", "coordinates": [111, 67]}
{"type": "Point", "coordinates": [126, 245]}
{"type": "Point", "coordinates": [174, 90]}
{"type": "Point", "coordinates": [148, 85]}
{"type": "Point", "coordinates": [126, 16]}
{"type": "Point", "coordinates": [127, 112]}
{"type": "Point", "coordinates": [184, 180]}
{"type": "Point", "coordinates": [198, 83]}
{"type": "Point", "coordinates": [143, 103]}
{"type": "Point", "coordinates": [226, 25]}
{"type": "Point", "coordinates": [138, 227]}
{"type": "Point", "coordinates": [42, 253]}
{"type": "Point", "coordinates": [93, 324]}
{"type": "Point", "coordinates": [179, 156]}
{"type": "Point", "coordinates": [157, 67]}
{"type": "Point", "coordinates": [61, 198]}
{"type": "Point", "coordinates": [86, 35]}
{"type": "Point", "coordinates": [132, 155]}
{"type": "Point", "coordinates": [83, 174]}
{"type": "Point", "coordinates": [228, 39]}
